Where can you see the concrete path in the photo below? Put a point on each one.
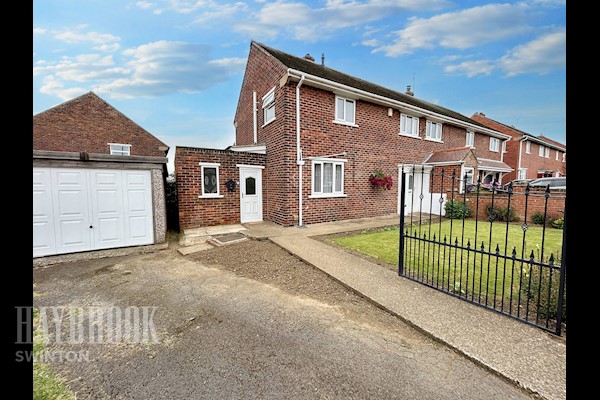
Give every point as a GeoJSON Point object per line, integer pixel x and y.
{"type": "Point", "coordinates": [523, 354]}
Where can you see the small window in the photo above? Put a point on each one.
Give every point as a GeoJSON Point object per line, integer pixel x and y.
{"type": "Point", "coordinates": [344, 110]}
{"type": "Point", "coordinates": [210, 180]}
{"type": "Point", "coordinates": [494, 144]}
{"type": "Point", "coordinates": [547, 152]}
{"type": "Point", "coordinates": [522, 174]}
{"type": "Point", "coordinates": [328, 178]}
{"type": "Point", "coordinates": [564, 157]}
{"type": "Point", "coordinates": [433, 131]}
{"type": "Point", "coordinates": [117, 149]}
{"type": "Point", "coordinates": [409, 125]}
{"type": "Point", "coordinates": [467, 177]}
{"type": "Point", "coordinates": [528, 147]}
{"type": "Point", "coordinates": [504, 146]}
{"type": "Point", "coordinates": [556, 155]}
{"type": "Point", "coordinates": [541, 151]}
{"type": "Point", "coordinates": [470, 139]}
{"type": "Point", "coordinates": [250, 186]}
{"type": "Point", "coordinates": [269, 106]}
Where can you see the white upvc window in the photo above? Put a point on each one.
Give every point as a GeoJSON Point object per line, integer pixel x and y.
{"type": "Point", "coordinates": [118, 149]}
{"type": "Point", "coordinates": [494, 144]}
{"type": "Point", "coordinates": [547, 152]}
{"type": "Point", "coordinates": [268, 105]}
{"type": "Point", "coordinates": [409, 125]}
{"type": "Point", "coordinates": [564, 157]}
{"type": "Point", "coordinates": [522, 174]}
{"type": "Point", "coordinates": [470, 139]}
{"type": "Point", "coordinates": [467, 175]}
{"type": "Point", "coordinates": [209, 173]}
{"type": "Point", "coordinates": [328, 178]}
{"type": "Point", "coordinates": [345, 110]}
{"type": "Point", "coordinates": [433, 131]}
{"type": "Point", "coordinates": [528, 147]}
{"type": "Point", "coordinates": [504, 146]}
{"type": "Point", "coordinates": [556, 155]}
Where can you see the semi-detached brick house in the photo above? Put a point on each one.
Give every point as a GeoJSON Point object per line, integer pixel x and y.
{"type": "Point", "coordinates": [322, 133]}
{"type": "Point", "coordinates": [528, 155]}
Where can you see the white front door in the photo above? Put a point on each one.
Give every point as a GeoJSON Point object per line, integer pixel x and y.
{"type": "Point", "coordinates": [250, 194]}
{"type": "Point", "coordinates": [417, 195]}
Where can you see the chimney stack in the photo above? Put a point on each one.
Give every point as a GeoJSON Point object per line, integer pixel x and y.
{"type": "Point", "coordinates": [408, 91]}
{"type": "Point", "coordinates": [309, 57]}
{"type": "Point", "coordinates": [322, 59]}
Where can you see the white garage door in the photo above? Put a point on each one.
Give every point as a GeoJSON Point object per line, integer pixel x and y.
{"type": "Point", "coordinates": [76, 209]}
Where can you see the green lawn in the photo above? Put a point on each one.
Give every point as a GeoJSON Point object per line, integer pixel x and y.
{"type": "Point", "coordinates": [488, 279]}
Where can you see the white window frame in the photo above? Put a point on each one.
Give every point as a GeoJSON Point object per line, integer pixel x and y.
{"type": "Point", "coordinates": [204, 195]}
{"type": "Point", "coordinates": [465, 170]}
{"type": "Point", "coordinates": [322, 162]}
{"type": "Point", "coordinates": [504, 146]}
{"type": "Point", "coordinates": [528, 147]}
{"type": "Point", "coordinates": [541, 151]}
{"type": "Point", "coordinates": [438, 131]}
{"type": "Point", "coordinates": [564, 157]}
{"type": "Point", "coordinates": [268, 103]}
{"type": "Point", "coordinates": [546, 152]}
{"type": "Point", "coordinates": [470, 140]}
{"type": "Point", "coordinates": [344, 120]}
{"type": "Point", "coordinates": [119, 152]}
{"type": "Point", "coordinates": [494, 144]}
{"type": "Point", "coordinates": [414, 131]}
{"type": "Point", "coordinates": [522, 173]}
{"type": "Point", "coordinates": [556, 155]}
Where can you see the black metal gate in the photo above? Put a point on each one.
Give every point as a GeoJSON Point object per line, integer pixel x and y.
{"type": "Point", "coordinates": [500, 248]}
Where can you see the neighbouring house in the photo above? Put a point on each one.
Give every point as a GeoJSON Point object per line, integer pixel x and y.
{"type": "Point", "coordinates": [528, 155]}
{"type": "Point", "coordinates": [309, 137]}
{"type": "Point", "coordinates": [98, 179]}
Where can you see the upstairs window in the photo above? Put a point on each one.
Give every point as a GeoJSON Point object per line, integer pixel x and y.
{"type": "Point", "coordinates": [504, 146]}
{"type": "Point", "coordinates": [528, 147]}
{"type": "Point", "coordinates": [470, 139]}
{"type": "Point", "coordinates": [556, 155]}
{"type": "Point", "coordinates": [117, 149]}
{"type": "Point", "coordinates": [269, 106]}
{"type": "Point", "coordinates": [433, 131]}
{"type": "Point", "coordinates": [409, 125]}
{"type": "Point", "coordinates": [541, 151]}
{"type": "Point", "coordinates": [544, 151]}
{"type": "Point", "coordinates": [494, 144]}
{"type": "Point", "coordinates": [564, 157]}
{"type": "Point", "coordinates": [345, 110]}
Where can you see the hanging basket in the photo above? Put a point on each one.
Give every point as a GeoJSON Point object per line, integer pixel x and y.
{"type": "Point", "coordinates": [381, 181]}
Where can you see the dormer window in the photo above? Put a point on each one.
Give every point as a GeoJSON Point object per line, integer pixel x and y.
{"type": "Point", "coordinates": [118, 149]}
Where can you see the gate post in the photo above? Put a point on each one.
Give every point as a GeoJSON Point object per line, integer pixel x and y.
{"type": "Point", "coordinates": [563, 271]}
{"type": "Point", "coordinates": [402, 189]}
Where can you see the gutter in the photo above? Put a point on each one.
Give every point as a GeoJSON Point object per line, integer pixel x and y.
{"type": "Point", "coordinates": [299, 160]}
{"type": "Point", "coordinates": [333, 86]}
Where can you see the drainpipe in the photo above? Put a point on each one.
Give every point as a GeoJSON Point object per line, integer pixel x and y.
{"type": "Point", "coordinates": [519, 163]}
{"type": "Point", "coordinates": [299, 159]}
{"type": "Point", "coordinates": [254, 126]}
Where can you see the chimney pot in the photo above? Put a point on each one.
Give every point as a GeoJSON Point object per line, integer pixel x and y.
{"type": "Point", "coordinates": [309, 57]}
{"type": "Point", "coordinates": [408, 91]}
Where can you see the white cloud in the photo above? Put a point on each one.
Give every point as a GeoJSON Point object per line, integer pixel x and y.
{"type": "Point", "coordinates": [103, 41]}
{"type": "Point", "coordinates": [461, 29]}
{"type": "Point", "coordinates": [152, 69]}
{"type": "Point", "coordinates": [39, 31]}
{"type": "Point", "coordinates": [306, 23]}
{"type": "Point", "coordinates": [220, 13]}
{"type": "Point", "coordinates": [471, 68]}
{"type": "Point", "coordinates": [541, 55]}
{"type": "Point", "coordinates": [144, 5]}
{"type": "Point", "coordinates": [551, 2]}
{"type": "Point", "coordinates": [371, 42]}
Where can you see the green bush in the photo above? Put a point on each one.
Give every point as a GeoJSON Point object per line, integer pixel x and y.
{"type": "Point", "coordinates": [558, 223]}
{"type": "Point", "coordinates": [501, 214]}
{"type": "Point", "coordinates": [548, 305]}
{"type": "Point", "coordinates": [457, 210]}
{"type": "Point", "coordinates": [537, 218]}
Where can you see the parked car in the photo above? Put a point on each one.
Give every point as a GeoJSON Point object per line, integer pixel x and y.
{"type": "Point", "coordinates": [553, 182]}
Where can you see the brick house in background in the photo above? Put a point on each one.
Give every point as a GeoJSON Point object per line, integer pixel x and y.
{"type": "Point", "coordinates": [98, 179]}
{"type": "Point", "coordinates": [530, 156]}
{"type": "Point", "coordinates": [321, 134]}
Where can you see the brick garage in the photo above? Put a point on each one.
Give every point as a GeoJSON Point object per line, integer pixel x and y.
{"type": "Point", "coordinates": [197, 212]}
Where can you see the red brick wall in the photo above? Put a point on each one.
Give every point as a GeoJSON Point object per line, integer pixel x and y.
{"type": "Point", "coordinates": [87, 123]}
{"type": "Point", "coordinates": [197, 212]}
{"type": "Point", "coordinates": [534, 162]}
{"type": "Point", "coordinates": [511, 157]}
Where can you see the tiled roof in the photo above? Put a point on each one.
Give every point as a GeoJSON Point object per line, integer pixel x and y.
{"type": "Point", "coordinates": [456, 154]}
{"type": "Point", "coordinates": [330, 74]}
{"type": "Point", "coordinates": [492, 165]}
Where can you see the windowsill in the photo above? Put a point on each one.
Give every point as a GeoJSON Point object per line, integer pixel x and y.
{"type": "Point", "coordinates": [324, 196]}
{"type": "Point", "coordinates": [494, 151]}
{"type": "Point", "coordinates": [211, 196]}
{"type": "Point", "coordinates": [410, 136]}
{"type": "Point", "coordinates": [335, 121]}
{"type": "Point", "coordinates": [434, 140]}
{"type": "Point", "coordinates": [269, 122]}
{"type": "Point", "coordinates": [472, 147]}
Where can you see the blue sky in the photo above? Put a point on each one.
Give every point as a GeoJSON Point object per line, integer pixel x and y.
{"type": "Point", "coordinates": [176, 66]}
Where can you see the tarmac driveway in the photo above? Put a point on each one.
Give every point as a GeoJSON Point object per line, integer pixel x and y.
{"type": "Point", "coordinates": [222, 335]}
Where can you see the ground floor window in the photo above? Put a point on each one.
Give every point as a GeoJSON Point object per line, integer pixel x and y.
{"type": "Point", "coordinates": [328, 178]}
{"type": "Point", "coordinates": [209, 173]}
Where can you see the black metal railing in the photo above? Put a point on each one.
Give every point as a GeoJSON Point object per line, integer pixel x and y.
{"type": "Point", "coordinates": [502, 249]}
